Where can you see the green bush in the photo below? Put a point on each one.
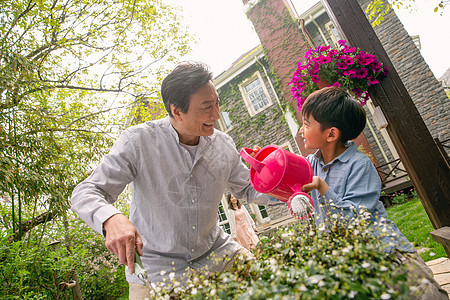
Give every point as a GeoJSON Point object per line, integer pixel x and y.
{"type": "Point", "coordinates": [32, 269]}
{"type": "Point", "coordinates": [304, 262]}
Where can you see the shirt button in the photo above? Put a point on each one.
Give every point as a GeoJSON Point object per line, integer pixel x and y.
{"type": "Point", "coordinates": [324, 169]}
{"type": "Point", "coordinates": [193, 201]}
{"type": "Point", "coordinates": [192, 250]}
{"type": "Point", "coordinates": [191, 176]}
{"type": "Point", "coordinates": [193, 227]}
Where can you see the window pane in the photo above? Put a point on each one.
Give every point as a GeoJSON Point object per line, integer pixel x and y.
{"type": "Point", "coordinates": [226, 228]}
{"type": "Point", "coordinates": [222, 215]}
{"type": "Point", "coordinates": [226, 119]}
{"type": "Point", "coordinates": [263, 211]}
{"type": "Point", "coordinates": [258, 98]}
{"type": "Point", "coordinates": [252, 85]}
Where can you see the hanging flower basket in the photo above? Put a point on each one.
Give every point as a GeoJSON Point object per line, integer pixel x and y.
{"type": "Point", "coordinates": [342, 66]}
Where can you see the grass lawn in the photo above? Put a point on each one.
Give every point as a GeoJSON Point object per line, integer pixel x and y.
{"type": "Point", "coordinates": [414, 223]}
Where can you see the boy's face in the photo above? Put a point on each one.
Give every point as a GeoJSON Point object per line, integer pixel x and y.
{"type": "Point", "coordinates": [313, 135]}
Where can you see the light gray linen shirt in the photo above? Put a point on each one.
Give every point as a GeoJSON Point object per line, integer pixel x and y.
{"type": "Point", "coordinates": [174, 200]}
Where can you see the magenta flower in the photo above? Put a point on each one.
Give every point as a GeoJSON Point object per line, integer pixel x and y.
{"type": "Point", "coordinates": [361, 73]}
{"type": "Point", "coordinates": [350, 73]}
{"type": "Point", "coordinates": [337, 84]}
{"type": "Point", "coordinates": [348, 60]}
{"type": "Point", "coordinates": [324, 48]}
{"type": "Point", "coordinates": [341, 65]}
{"type": "Point", "coordinates": [324, 59]}
{"type": "Point", "coordinates": [372, 80]}
{"type": "Point", "coordinates": [348, 67]}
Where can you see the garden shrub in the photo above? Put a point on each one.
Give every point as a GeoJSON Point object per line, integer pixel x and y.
{"type": "Point", "coordinates": [32, 269]}
{"type": "Point", "coordinates": [303, 262]}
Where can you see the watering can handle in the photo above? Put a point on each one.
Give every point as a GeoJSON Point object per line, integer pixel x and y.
{"type": "Point", "coordinates": [255, 164]}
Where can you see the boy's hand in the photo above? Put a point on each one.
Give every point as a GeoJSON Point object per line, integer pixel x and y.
{"type": "Point", "coordinates": [316, 184]}
{"type": "Point", "coordinates": [255, 151]}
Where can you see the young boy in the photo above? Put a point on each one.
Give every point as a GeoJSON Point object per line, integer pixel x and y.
{"type": "Point", "coordinates": [345, 181]}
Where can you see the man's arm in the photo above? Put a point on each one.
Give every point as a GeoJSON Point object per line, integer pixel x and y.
{"type": "Point", "coordinates": [92, 201]}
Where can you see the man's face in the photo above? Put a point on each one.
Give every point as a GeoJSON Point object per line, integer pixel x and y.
{"type": "Point", "coordinates": [199, 119]}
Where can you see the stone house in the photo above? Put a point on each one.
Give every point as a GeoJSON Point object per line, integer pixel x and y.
{"type": "Point", "coordinates": [257, 105]}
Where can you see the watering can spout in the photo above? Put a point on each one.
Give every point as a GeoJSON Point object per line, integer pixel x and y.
{"type": "Point", "coordinates": [255, 164]}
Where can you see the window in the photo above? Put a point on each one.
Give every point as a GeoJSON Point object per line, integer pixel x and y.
{"type": "Point", "coordinates": [255, 94]}
{"type": "Point", "coordinates": [332, 31]}
{"type": "Point", "coordinates": [223, 220]}
{"type": "Point", "coordinates": [263, 211]}
{"type": "Point", "coordinates": [225, 121]}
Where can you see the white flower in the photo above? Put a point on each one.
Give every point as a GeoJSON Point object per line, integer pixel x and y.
{"type": "Point", "coordinates": [432, 254]}
{"type": "Point", "coordinates": [334, 216]}
{"type": "Point", "coordinates": [302, 288]}
{"type": "Point", "coordinates": [194, 291]}
{"type": "Point", "coordinates": [385, 296]}
{"type": "Point", "coordinates": [365, 265]}
{"type": "Point", "coordinates": [172, 276]}
{"type": "Point", "coordinates": [352, 294]}
{"type": "Point", "coordinates": [383, 268]}
{"type": "Point", "coordinates": [162, 272]}
{"type": "Point", "coordinates": [311, 233]}
{"type": "Point", "coordinates": [278, 245]}
{"type": "Point", "coordinates": [335, 253]}
{"type": "Point", "coordinates": [321, 284]}
{"type": "Point", "coordinates": [213, 292]}
{"type": "Point", "coordinates": [322, 227]}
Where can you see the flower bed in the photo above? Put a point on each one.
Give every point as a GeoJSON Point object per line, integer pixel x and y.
{"type": "Point", "coordinates": [302, 261]}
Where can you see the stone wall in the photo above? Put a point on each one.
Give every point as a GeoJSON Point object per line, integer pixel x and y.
{"type": "Point", "coordinates": [265, 128]}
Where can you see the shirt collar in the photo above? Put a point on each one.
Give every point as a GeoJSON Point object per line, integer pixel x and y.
{"type": "Point", "coordinates": [204, 140]}
{"type": "Point", "coordinates": [344, 157]}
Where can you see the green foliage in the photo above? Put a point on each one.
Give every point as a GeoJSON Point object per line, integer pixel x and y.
{"type": "Point", "coordinates": [415, 224]}
{"type": "Point", "coordinates": [69, 73]}
{"type": "Point", "coordinates": [305, 262]}
{"type": "Point", "coordinates": [34, 268]}
{"type": "Point", "coordinates": [376, 10]}
{"type": "Point", "coordinates": [57, 61]}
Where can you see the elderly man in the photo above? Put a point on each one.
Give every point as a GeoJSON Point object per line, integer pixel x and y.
{"type": "Point", "coordinates": [178, 168]}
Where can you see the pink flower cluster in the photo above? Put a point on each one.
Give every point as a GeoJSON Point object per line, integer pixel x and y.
{"type": "Point", "coordinates": [344, 66]}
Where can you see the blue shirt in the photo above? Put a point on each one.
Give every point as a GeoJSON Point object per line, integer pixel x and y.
{"type": "Point", "coordinates": [175, 198]}
{"type": "Point", "coordinates": [354, 184]}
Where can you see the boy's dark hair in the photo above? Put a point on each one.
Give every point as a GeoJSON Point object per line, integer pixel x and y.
{"type": "Point", "coordinates": [334, 107]}
{"type": "Point", "coordinates": [185, 80]}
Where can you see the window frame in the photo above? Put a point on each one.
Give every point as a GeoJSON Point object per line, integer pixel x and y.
{"type": "Point", "coordinates": [222, 123]}
{"type": "Point", "coordinates": [247, 101]}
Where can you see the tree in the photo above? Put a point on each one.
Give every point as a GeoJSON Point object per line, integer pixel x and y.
{"type": "Point", "coordinates": [58, 59]}
{"type": "Point", "coordinates": [377, 9]}
{"type": "Point", "coordinates": [68, 70]}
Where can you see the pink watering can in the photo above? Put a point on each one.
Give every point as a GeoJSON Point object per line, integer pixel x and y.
{"type": "Point", "coordinates": [281, 174]}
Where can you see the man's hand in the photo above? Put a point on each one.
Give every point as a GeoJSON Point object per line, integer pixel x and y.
{"type": "Point", "coordinates": [122, 238]}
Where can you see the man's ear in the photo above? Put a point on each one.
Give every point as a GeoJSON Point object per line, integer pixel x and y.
{"type": "Point", "coordinates": [176, 112]}
{"type": "Point", "coordinates": [334, 134]}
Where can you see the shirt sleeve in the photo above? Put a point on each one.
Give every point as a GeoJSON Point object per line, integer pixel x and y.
{"type": "Point", "coordinates": [239, 182]}
{"type": "Point", "coordinates": [92, 199]}
{"type": "Point", "coordinates": [362, 190]}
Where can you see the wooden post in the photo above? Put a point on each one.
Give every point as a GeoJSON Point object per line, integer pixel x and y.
{"type": "Point", "coordinates": [417, 150]}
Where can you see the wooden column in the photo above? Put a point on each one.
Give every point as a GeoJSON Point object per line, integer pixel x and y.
{"type": "Point", "coordinates": [414, 143]}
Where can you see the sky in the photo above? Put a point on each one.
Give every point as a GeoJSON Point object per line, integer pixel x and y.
{"type": "Point", "coordinates": [224, 33]}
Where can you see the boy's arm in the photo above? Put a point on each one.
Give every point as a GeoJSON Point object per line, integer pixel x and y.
{"type": "Point", "coordinates": [360, 188]}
